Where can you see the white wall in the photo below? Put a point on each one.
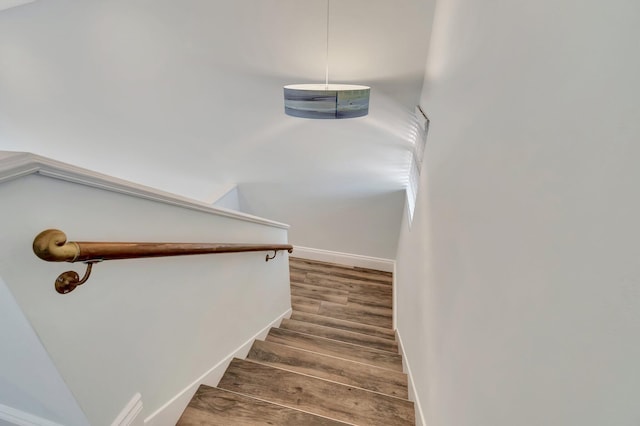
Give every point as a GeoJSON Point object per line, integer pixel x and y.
{"type": "Point", "coordinates": [187, 96]}
{"type": "Point", "coordinates": [519, 280]}
{"type": "Point", "coordinates": [151, 325]}
{"type": "Point", "coordinates": [365, 225]}
{"type": "Point", "coordinates": [29, 382]}
{"type": "Point", "coordinates": [229, 200]}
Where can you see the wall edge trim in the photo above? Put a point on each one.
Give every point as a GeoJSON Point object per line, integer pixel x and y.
{"type": "Point", "coordinates": [8, 4]}
{"type": "Point", "coordinates": [22, 418]}
{"type": "Point", "coordinates": [19, 164]}
{"type": "Point", "coordinates": [412, 387]}
{"type": "Point", "coordinates": [129, 413]}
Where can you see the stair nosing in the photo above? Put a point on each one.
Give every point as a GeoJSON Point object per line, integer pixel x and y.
{"type": "Point", "coordinates": [277, 404]}
{"type": "Point", "coordinates": [376, 314]}
{"type": "Point", "coordinates": [346, 331]}
{"type": "Point", "coordinates": [334, 356]}
{"type": "Point", "coordinates": [294, 348]}
{"type": "Point", "coordinates": [326, 380]}
{"type": "Point", "coordinates": [346, 343]}
{"type": "Point", "coordinates": [384, 396]}
{"type": "Point", "coordinates": [394, 339]}
{"type": "Point", "coordinates": [342, 341]}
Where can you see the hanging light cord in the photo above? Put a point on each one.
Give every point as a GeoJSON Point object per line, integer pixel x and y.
{"type": "Point", "coordinates": [326, 73]}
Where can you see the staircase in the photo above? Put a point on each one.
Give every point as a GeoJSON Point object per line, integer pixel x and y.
{"type": "Point", "coordinates": [334, 362]}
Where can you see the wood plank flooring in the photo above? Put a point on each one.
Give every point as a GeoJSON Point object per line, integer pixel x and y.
{"type": "Point", "coordinates": [215, 406]}
{"type": "Point", "coordinates": [335, 369]}
{"type": "Point", "coordinates": [314, 395]}
{"type": "Point", "coordinates": [341, 335]}
{"type": "Point", "coordinates": [334, 362]}
{"type": "Point", "coordinates": [320, 345]}
{"type": "Point", "coordinates": [385, 333]}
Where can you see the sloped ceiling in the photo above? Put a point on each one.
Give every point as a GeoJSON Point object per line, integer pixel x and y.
{"type": "Point", "coordinates": [187, 96]}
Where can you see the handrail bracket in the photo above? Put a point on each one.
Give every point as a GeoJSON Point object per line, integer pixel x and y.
{"type": "Point", "coordinates": [68, 281]}
{"type": "Point", "coordinates": [275, 253]}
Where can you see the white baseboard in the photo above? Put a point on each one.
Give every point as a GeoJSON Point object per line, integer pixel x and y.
{"type": "Point", "coordinates": [20, 418]}
{"type": "Point", "coordinates": [413, 394]}
{"type": "Point", "coordinates": [394, 304]}
{"type": "Point", "coordinates": [349, 259]}
{"type": "Point", "coordinates": [129, 414]}
{"type": "Point", "coordinates": [170, 412]}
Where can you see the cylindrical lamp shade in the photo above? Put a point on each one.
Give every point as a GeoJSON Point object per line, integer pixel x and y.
{"type": "Point", "coordinates": [326, 101]}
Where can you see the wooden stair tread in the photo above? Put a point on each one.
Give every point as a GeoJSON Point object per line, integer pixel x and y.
{"type": "Point", "coordinates": [317, 396]}
{"type": "Point", "coordinates": [329, 281]}
{"type": "Point", "coordinates": [341, 335]}
{"type": "Point", "coordinates": [343, 293]}
{"type": "Point", "coordinates": [320, 293]}
{"type": "Point", "coordinates": [357, 327]}
{"type": "Point", "coordinates": [340, 271]}
{"type": "Point", "coordinates": [356, 312]}
{"type": "Point", "coordinates": [339, 370]}
{"type": "Point", "coordinates": [341, 278]}
{"type": "Point", "coordinates": [214, 406]}
{"type": "Point", "coordinates": [335, 348]}
{"type": "Point", "coordinates": [305, 304]}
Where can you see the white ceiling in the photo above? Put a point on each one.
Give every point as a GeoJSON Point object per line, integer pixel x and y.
{"type": "Point", "coordinates": [187, 95]}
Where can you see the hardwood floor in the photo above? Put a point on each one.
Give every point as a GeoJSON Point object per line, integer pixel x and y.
{"type": "Point", "coordinates": [340, 335]}
{"type": "Point", "coordinates": [320, 345]}
{"type": "Point", "coordinates": [215, 406]}
{"type": "Point", "coordinates": [331, 368]}
{"type": "Point", "coordinates": [334, 362]}
{"type": "Point", "coordinates": [385, 333]}
{"type": "Point", "coordinates": [314, 395]}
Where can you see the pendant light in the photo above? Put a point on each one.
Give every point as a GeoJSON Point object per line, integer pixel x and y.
{"type": "Point", "coordinates": [326, 100]}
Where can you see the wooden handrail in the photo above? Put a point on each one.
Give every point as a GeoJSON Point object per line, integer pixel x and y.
{"type": "Point", "coordinates": [52, 245]}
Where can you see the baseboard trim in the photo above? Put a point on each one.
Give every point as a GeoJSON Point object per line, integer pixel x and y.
{"type": "Point", "coordinates": [349, 259]}
{"type": "Point", "coordinates": [129, 414]}
{"type": "Point", "coordinates": [171, 411]}
{"type": "Point", "coordinates": [413, 394]}
{"type": "Point", "coordinates": [395, 299]}
{"type": "Point", "coordinates": [20, 418]}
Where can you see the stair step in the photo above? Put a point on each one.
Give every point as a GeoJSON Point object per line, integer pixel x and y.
{"type": "Point", "coordinates": [319, 293]}
{"type": "Point", "coordinates": [327, 367]}
{"type": "Point", "coordinates": [356, 312]}
{"type": "Point", "coordinates": [340, 270]}
{"type": "Point", "coordinates": [340, 283]}
{"type": "Point", "coordinates": [385, 333]}
{"type": "Point", "coordinates": [371, 300]}
{"type": "Point", "coordinates": [341, 335]}
{"type": "Point", "coordinates": [335, 348]}
{"type": "Point", "coordinates": [304, 304]}
{"type": "Point", "coordinates": [340, 278]}
{"type": "Point", "coordinates": [317, 396]}
{"type": "Point", "coordinates": [214, 406]}
{"type": "Point", "coordinates": [343, 293]}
